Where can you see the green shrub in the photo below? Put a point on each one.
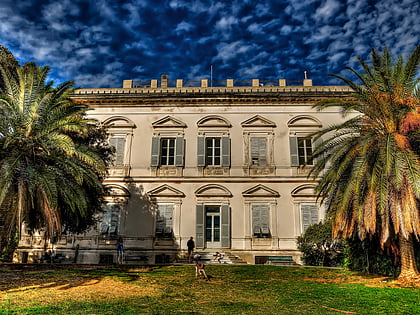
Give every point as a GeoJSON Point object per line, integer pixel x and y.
{"type": "Point", "coordinates": [367, 256]}
{"type": "Point", "coordinates": [318, 247]}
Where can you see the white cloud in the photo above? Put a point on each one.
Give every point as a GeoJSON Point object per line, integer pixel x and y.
{"type": "Point", "coordinates": [227, 51]}
{"type": "Point", "coordinates": [138, 69]}
{"type": "Point", "coordinates": [327, 10]}
{"type": "Point", "coordinates": [183, 27]}
{"type": "Point", "coordinates": [226, 23]}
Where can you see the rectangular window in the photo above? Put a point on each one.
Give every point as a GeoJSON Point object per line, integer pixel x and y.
{"type": "Point", "coordinates": [258, 151]}
{"type": "Point", "coordinates": [309, 215]}
{"type": "Point", "coordinates": [110, 218]}
{"type": "Point", "coordinates": [305, 151]}
{"type": "Point", "coordinates": [213, 151]}
{"type": "Point", "coordinates": [260, 220]}
{"type": "Point", "coordinates": [164, 219]}
{"type": "Point", "coordinates": [119, 144]}
{"type": "Point", "coordinates": [167, 151]}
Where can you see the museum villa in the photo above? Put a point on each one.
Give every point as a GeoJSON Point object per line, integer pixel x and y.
{"type": "Point", "coordinates": [218, 161]}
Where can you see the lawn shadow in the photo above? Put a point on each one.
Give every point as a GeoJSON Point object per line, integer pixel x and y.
{"type": "Point", "coordinates": [21, 277]}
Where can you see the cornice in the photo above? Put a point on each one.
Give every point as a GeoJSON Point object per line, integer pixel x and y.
{"type": "Point", "coordinates": [225, 97]}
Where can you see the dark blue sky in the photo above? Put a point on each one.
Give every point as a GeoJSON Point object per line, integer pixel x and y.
{"type": "Point", "coordinates": [100, 43]}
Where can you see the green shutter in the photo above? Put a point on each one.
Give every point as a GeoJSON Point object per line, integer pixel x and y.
{"type": "Point", "coordinates": [225, 227]}
{"type": "Point", "coordinates": [315, 145]}
{"type": "Point", "coordinates": [225, 151]}
{"type": "Point", "coordinates": [201, 149]}
{"type": "Point", "coordinates": [199, 227]}
{"type": "Point", "coordinates": [155, 152]}
{"type": "Point", "coordinates": [294, 156]}
{"type": "Point", "coordinates": [179, 151]}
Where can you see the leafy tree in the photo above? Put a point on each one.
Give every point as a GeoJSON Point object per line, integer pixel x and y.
{"type": "Point", "coordinates": [369, 172]}
{"type": "Point", "coordinates": [52, 158]}
{"type": "Point", "coordinates": [318, 247]}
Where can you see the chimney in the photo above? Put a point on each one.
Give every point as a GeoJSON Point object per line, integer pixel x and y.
{"type": "Point", "coordinates": [164, 81]}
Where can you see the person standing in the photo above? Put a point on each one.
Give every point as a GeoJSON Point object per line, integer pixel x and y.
{"type": "Point", "coordinates": [190, 246]}
{"type": "Point", "coordinates": [120, 251]}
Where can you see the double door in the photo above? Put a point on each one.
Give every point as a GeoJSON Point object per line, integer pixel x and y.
{"type": "Point", "coordinates": [212, 227]}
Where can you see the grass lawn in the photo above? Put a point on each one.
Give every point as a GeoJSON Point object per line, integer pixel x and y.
{"type": "Point", "coordinates": [175, 290]}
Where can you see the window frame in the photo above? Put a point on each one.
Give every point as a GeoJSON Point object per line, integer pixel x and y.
{"type": "Point", "coordinates": [211, 155]}
{"type": "Point", "coordinates": [112, 209]}
{"type": "Point", "coordinates": [261, 160]}
{"type": "Point", "coordinates": [167, 231]}
{"type": "Point", "coordinates": [314, 216]}
{"type": "Point", "coordinates": [165, 144]}
{"type": "Point", "coordinates": [305, 158]}
{"type": "Point", "coordinates": [264, 230]}
{"type": "Point", "coordinates": [119, 158]}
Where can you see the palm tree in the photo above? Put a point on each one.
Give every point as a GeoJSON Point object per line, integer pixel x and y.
{"type": "Point", "coordinates": [368, 168]}
{"type": "Point", "coordinates": [49, 173]}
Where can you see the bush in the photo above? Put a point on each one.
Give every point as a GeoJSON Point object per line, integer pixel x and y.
{"type": "Point", "coordinates": [367, 256]}
{"type": "Point", "coordinates": [318, 247]}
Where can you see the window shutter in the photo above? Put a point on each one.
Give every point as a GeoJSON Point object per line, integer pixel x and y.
{"type": "Point", "coordinates": [119, 145]}
{"type": "Point", "coordinates": [199, 228]}
{"type": "Point", "coordinates": [256, 219]}
{"type": "Point", "coordinates": [309, 215]}
{"type": "Point", "coordinates": [115, 217]}
{"type": "Point", "coordinates": [225, 226]}
{"type": "Point", "coordinates": [262, 151]}
{"type": "Point", "coordinates": [179, 151]}
{"type": "Point", "coordinates": [264, 219]}
{"type": "Point", "coordinates": [155, 152]}
{"type": "Point", "coordinates": [225, 151]}
{"type": "Point", "coordinates": [260, 219]}
{"type": "Point", "coordinates": [201, 157]}
{"type": "Point", "coordinates": [259, 151]}
{"type": "Point", "coordinates": [315, 146]}
{"type": "Point", "coordinates": [294, 157]}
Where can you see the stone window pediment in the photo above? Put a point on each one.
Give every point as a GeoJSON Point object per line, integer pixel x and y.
{"type": "Point", "coordinates": [258, 121]}
{"type": "Point", "coordinates": [304, 121]}
{"type": "Point", "coordinates": [213, 190]}
{"type": "Point", "coordinates": [119, 122]}
{"type": "Point", "coordinates": [117, 191]}
{"type": "Point", "coordinates": [260, 191]}
{"type": "Point", "coordinates": [214, 121]}
{"type": "Point", "coordinates": [166, 191]}
{"type": "Point", "coordinates": [169, 122]}
{"type": "Point", "coordinates": [304, 191]}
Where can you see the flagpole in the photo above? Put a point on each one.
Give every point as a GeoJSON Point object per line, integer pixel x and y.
{"type": "Point", "coordinates": [211, 75]}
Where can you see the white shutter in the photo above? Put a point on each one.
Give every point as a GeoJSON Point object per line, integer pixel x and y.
{"type": "Point", "coordinates": [309, 215]}
{"type": "Point", "coordinates": [119, 144]}
{"type": "Point", "coordinates": [260, 220]}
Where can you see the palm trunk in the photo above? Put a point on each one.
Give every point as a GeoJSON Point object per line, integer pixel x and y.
{"type": "Point", "coordinates": [409, 270]}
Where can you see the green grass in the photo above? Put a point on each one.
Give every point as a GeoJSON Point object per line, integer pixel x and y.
{"type": "Point", "coordinates": [230, 290]}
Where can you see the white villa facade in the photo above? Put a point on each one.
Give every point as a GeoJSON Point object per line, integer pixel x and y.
{"type": "Point", "coordinates": [220, 164]}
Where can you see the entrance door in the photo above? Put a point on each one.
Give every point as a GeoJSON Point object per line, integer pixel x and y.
{"type": "Point", "coordinates": [213, 227]}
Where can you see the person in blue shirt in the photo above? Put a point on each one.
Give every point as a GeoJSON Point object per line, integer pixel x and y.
{"type": "Point", "coordinates": [120, 251]}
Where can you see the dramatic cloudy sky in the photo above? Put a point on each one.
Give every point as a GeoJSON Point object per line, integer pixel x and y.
{"type": "Point", "coordinates": [100, 43]}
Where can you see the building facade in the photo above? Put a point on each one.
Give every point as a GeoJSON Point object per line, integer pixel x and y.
{"type": "Point", "coordinates": [219, 163]}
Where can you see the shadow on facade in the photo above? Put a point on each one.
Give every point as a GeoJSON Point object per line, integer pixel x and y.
{"type": "Point", "coordinates": [148, 229]}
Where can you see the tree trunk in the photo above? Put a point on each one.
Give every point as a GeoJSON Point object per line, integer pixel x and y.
{"type": "Point", "coordinates": [409, 270]}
